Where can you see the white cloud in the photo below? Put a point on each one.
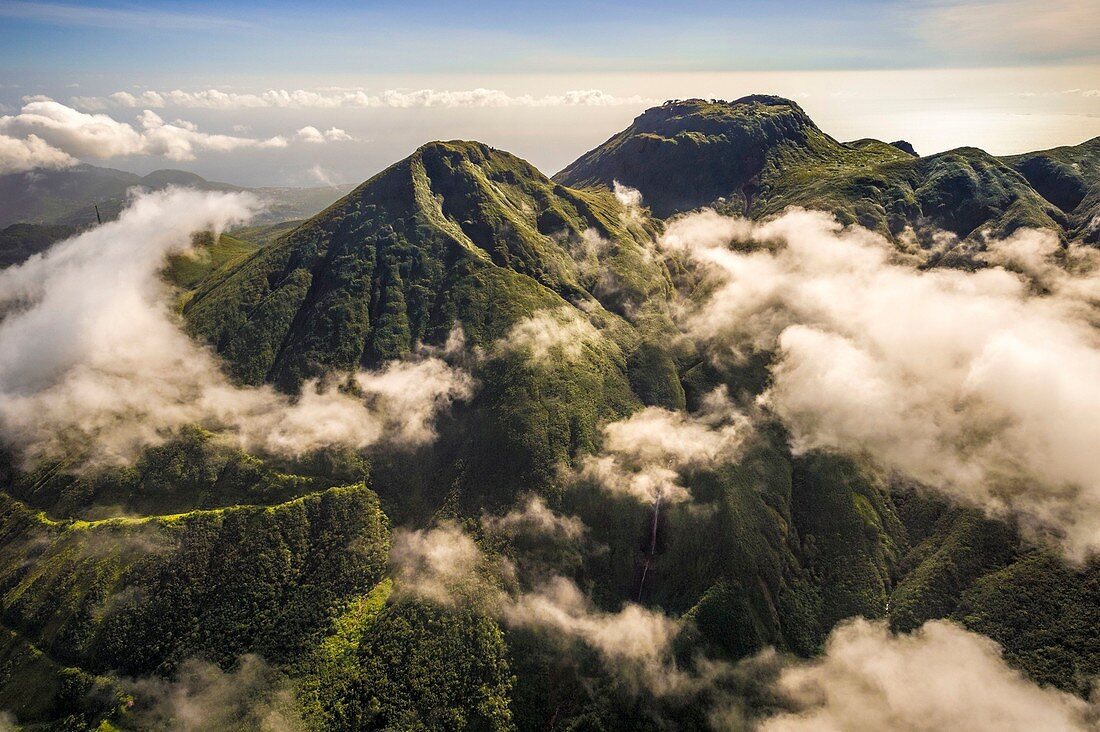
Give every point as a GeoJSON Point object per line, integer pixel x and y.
{"type": "Point", "coordinates": [630, 198]}
{"type": "Point", "coordinates": [977, 384]}
{"type": "Point", "coordinates": [91, 354]}
{"type": "Point", "coordinates": [323, 176]}
{"type": "Point", "coordinates": [644, 454]}
{"type": "Point", "coordinates": [351, 98]}
{"type": "Point", "coordinates": [939, 678]}
{"type": "Point", "coordinates": [635, 642]}
{"type": "Point", "coordinates": [444, 565]}
{"type": "Point", "coordinates": [560, 333]}
{"type": "Point", "coordinates": [99, 136]}
{"type": "Point", "coordinates": [438, 564]}
{"type": "Point", "coordinates": [313, 135]}
{"type": "Point", "coordinates": [535, 517]}
{"type": "Point", "coordinates": [18, 155]}
{"type": "Point", "coordinates": [203, 697]}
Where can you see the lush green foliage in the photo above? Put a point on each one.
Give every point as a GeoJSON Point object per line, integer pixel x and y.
{"type": "Point", "coordinates": [202, 551]}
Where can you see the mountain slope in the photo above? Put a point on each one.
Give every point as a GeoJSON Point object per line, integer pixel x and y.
{"type": "Point", "coordinates": [1068, 177]}
{"type": "Point", "coordinates": [457, 233]}
{"type": "Point", "coordinates": [461, 234]}
{"type": "Point", "coordinates": [692, 153]}
{"type": "Point", "coordinates": [760, 154]}
{"type": "Point", "coordinates": [208, 554]}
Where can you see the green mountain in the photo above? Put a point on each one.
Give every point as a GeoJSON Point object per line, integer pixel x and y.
{"type": "Point", "coordinates": [202, 553]}
{"type": "Point", "coordinates": [1068, 178]}
{"type": "Point", "coordinates": [19, 241]}
{"type": "Point", "coordinates": [760, 154]}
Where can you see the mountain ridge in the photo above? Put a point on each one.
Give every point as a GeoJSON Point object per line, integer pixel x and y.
{"type": "Point", "coordinates": [760, 154]}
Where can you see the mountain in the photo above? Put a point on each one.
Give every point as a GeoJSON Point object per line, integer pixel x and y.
{"type": "Point", "coordinates": [69, 196]}
{"type": "Point", "coordinates": [459, 234]}
{"type": "Point", "coordinates": [19, 241]}
{"type": "Point", "coordinates": [1068, 178]}
{"type": "Point", "coordinates": [200, 557]}
{"type": "Point", "coordinates": [758, 155]}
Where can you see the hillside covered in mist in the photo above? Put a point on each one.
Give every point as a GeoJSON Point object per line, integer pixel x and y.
{"type": "Point", "coordinates": [727, 425]}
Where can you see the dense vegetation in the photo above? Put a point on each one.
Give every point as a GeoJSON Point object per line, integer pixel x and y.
{"type": "Point", "coordinates": [203, 553]}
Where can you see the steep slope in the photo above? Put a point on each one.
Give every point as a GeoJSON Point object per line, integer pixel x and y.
{"type": "Point", "coordinates": [758, 155]}
{"type": "Point", "coordinates": [686, 154]}
{"type": "Point", "coordinates": [20, 241]}
{"type": "Point", "coordinates": [457, 233]}
{"type": "Point", "coordinates": [1068, 177]}
{"type": "Point", "coordinates": [460, 234]}
{"type": "Point", "coordinates": [210, 553]}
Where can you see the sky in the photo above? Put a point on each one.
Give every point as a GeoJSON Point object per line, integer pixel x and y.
{"type": "Point", "coordinates": [280, 93]}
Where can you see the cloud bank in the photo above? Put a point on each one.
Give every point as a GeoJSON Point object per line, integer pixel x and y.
{"type": "Point", "coordinates": [46, 133]}
{"type": "Point", "coordinates": [353, 98]}
{"type": "Point", "coordinates": [99, 136]}
{"type": "Point", "coordinates": [18, 155]}
{"type": "Point", "coordinates": [90, 354]}
{"type": "Point", "coordinates": [980, 384]}
{"type": "Point", "coordinates": [940, 677]}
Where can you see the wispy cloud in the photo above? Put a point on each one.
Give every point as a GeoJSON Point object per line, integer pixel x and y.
{"type": "Point", "coordinates": [129, 18]}
{"type": "Point", "coordinates": [334, 98]}
{"type": "Point", "coordinates": [1019, 28]}
{"type": "Point", "coordinates": [92, 357]}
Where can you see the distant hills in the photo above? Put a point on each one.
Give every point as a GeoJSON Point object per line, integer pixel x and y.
{"type": "Point", "coordinates": [69, 196]}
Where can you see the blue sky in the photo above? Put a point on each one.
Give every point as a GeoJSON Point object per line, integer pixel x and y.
{"type": "Point", "coordinates": [421, 36]}
{"type": "Point", "coordinates": [995, 71]}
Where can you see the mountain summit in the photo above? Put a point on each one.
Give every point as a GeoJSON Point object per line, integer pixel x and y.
{"type": "Point", "coordinates": [456, 233]}
{"type": "Point", "coordinates": [694, 152]}
{"type": "Point", "coordinates": [760, 154]}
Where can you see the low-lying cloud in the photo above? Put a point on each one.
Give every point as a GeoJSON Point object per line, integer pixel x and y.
{"type": "Point", "coordinates": [444, 565]}
{"type": "Point", "coordinates": [940, 677]}
{"type": "Point", "coordinates": [203, 697]}
{"type": "Point", "coordinates": [354, 98]}
{"type": "Point", "coordinates": [980, 384]}
{"type": "Point", "coordinates": [645, 454]}
{"type": "Point", "coordinates": [18, 155]}
{"type": "Point", "coordinates": [560, 333]}
{"type": "Point", "coordinates": [440, 564]}
{"type": "Point", "coordinates": [92, 356]}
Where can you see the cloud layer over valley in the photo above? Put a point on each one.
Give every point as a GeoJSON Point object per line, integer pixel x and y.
{"type": "Point", "coordinates": [980, 384]}
{"type": "Point", "coordinates": [90, 351]}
